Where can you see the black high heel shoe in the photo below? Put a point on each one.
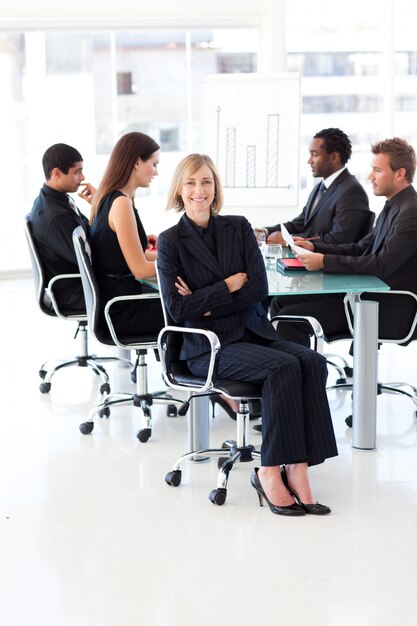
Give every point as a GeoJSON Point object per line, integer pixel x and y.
{"type": "Point", "coordinates": [217, 399]}
{"type": "Point", "coordinates": [293, 509]}
{"type": "Point", "coordinates": [312, 509]}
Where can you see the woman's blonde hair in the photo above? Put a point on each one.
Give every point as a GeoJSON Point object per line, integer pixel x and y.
{"type": "Point", "coordinates": [186, 168]}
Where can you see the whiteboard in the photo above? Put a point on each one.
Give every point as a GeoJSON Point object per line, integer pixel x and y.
{"type": "Point", "coordinates": [250, 128]}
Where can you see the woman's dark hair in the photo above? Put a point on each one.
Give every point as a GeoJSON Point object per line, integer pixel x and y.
{"type": "Point", "coordinates": [125, 154]}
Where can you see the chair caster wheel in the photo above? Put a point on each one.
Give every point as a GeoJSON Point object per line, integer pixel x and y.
{"type": "Point", "coordinates": [221, 460]}
{"type": "Point", "coordinates": [86, 427]}
{"type": "Point", "coordinates": [348, 421]}
{"type": "Point", "coordinates": [105, 388]}
{"type": "Point", "coordinates": [218, 496]}
{"type": "Point", "coordinates": [144, 434]}
{"type": "Point", "coordinates": [42, 373]}
{"type": "Point", "coordinates": [45, 387]}
{"type": "Point", "coordinates": [348, 371]}
{"type": "Point", "coordinates": [173, 478]}
{"type": "Point", "coordinates": [172, 410]}
{"type": "Point", "coordinates": [104, 412]}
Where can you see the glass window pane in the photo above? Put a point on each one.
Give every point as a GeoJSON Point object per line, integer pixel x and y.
{"type": "Point", "coordinates": [87, 89]}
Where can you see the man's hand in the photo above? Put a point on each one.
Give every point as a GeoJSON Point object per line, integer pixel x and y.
{"type": "Point", "coordinates": [312, 262]}
{"type": "Point", "coordinates": [303, 243]}
{"type": "Point", "coordinates": [276, 237]}
{"type": "Point", "coordinates": [87, 193]}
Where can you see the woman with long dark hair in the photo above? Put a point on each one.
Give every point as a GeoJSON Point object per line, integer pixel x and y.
{"type": "Point", "coordinates": [118, 240]}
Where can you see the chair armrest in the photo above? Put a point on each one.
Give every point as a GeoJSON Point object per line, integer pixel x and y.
{"type": "Point", "coordinates": [315, 326]}
{"type": "Point", "coordinates": [214, 350]}
{"type": "Point", "coordinates": [110, 303]}
{"type": "Point", "coordinates": [350, 299]}
{"type": "Point", "coordinates": [49, 291]}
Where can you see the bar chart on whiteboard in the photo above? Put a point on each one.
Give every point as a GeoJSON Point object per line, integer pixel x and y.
{"type": "Point", "coordinates": [250, 128]}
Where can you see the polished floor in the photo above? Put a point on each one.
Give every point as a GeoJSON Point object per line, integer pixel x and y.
{"type": "Point", "coordinates": [90, 534]}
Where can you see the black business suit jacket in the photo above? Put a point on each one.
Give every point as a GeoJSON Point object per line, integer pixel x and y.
{"type": "Point", "coordinates": [53, 221]}
{"type": "Point", "coordinates": [341, 216]}
{"type": "Point", "coordinates": [181, 252]}
{"type": "Point", "coordinates": [388, 252]}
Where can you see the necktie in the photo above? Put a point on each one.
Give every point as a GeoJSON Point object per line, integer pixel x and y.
{"type": "Point", "coordinates": [381, 227]}
{"type": "Point", "coordinates": [319, 194]}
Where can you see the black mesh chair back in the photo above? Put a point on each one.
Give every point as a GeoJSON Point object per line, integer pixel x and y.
{"type": "Point", "coordinates": [45, 298]}
{"type": "Point", "coordinates": [105, 333]}
{"type": "Point", "coordinates": [90, 286]}
{"type": "Point", "coordinates": [367, 223]}
{"type": "Point", "coordinates": [37, 271]}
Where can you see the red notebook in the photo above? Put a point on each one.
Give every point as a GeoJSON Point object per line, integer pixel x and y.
{"type": "Point", "coordinates": [290, 264]}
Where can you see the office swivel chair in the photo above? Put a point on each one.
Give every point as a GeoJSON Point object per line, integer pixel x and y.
{"type": "Point", "coordinates": [178, 376]}
{"type": "Point", "coordinates": [400, 338]}
{"type": "Point", "coordinates": [47, 303]}
{"type": "Point", "coordinates": [107, 335]}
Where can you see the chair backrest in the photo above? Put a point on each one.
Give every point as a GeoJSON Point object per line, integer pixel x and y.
{"type": "Point", "coordinates": [88, 279]}
{"type": "Point", "coordinates": [167, 318]}
{"type": "Point", "coordinates": [173, 341]}
{"type": "Point", "coordinates": [37, 269]}
{"type": "Point", "coordinates": [407, 298]}
{"type": "Point", "coordinates": [175, 371]}
{"type": "Point", "coordinates": [367, 223]}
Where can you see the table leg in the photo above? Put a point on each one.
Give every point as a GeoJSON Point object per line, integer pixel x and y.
{"type": "Point", "coordinates": [365, 370]}
{"type": "Point", "coordinates": [198, 426]}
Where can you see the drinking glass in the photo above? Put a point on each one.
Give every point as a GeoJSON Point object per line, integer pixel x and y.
{"type": "Point", "coordinates": [272, 253]}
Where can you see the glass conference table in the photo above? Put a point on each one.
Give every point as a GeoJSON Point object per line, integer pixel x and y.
{"type": "Point", "coordinates": [365, 337]}
{"type": "Point", "coordinates": [365, 348]}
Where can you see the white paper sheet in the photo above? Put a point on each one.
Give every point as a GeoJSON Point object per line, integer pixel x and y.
{"type": "Point", "coordinates": [290, 241]}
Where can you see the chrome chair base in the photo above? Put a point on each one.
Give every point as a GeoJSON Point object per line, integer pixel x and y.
{"type": "Point", "coordinates": [228, 456]}
{"type": "Point", "coordinates": [393, 388]}
{"type": "Point", "coordinates": [141, 399]}
{"type": "Point", "coordinates": [46, 372]}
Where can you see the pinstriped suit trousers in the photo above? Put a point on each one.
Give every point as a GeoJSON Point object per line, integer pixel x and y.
{"type": "Point", "coordinates": [296, 420]}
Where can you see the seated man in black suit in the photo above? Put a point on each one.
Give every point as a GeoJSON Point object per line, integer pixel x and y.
{"type": "Point", "coordinates": [54, 217]}
{"type": "Point", "coordinates": [337, 209]}
{"type": "Point", "coordinates": [388, 252]}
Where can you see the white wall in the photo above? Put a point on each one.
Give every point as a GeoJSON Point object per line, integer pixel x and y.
{"type": "Point", "coordinates": [185, 10]}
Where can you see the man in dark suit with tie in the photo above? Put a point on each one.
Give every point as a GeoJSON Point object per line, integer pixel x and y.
{"type": "Point", "coordinates": [388, 252]}
{"type": "Point", "coordinates": [337, 209]}
{"type": "Point", "coordinates": [54, 217]}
